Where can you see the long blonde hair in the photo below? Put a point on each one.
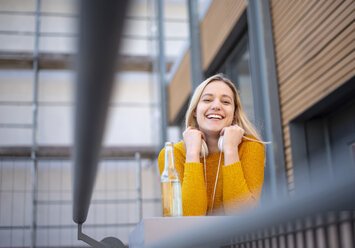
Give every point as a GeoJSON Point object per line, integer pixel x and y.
{"type": "Point", "coordinates": [240, 117]}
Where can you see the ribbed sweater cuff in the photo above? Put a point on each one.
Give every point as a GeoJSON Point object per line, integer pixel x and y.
{"type": "Point", "coordinates": [193, 167]}
{"type": "Point", "coordinates": [234, 170]}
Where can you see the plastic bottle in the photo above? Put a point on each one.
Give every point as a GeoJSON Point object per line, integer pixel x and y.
{"type": "Point", "coordinates": [170, 185]}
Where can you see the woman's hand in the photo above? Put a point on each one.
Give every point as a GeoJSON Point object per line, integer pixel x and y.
{"type": "Point", "coordinates": [232, 138]}
{"type": "Point", "coordinates": [193, 141]}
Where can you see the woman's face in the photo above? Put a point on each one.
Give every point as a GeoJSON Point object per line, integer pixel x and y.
{"type": "Point", "coordinates": [215, 109]}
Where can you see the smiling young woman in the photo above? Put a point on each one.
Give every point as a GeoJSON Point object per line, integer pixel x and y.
{"type": "Point", "coordinates": [225, 182]}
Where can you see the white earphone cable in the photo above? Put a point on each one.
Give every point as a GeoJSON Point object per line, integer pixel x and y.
{"type": "Point", "coordinates": [204, 165]}
{"type": "Point", "coordinates": [262, 142]}
{"type": "Point", "coordinates": [215, 184]}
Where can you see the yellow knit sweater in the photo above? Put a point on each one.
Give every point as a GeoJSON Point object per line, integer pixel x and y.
{"type": "Point", "coordinates": [238, 187]}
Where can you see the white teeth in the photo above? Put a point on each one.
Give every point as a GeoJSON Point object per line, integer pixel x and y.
{"type": "Point", "coordinates": [214, 117]}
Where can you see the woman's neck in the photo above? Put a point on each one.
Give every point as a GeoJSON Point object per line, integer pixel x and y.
{"type": "Point", "coordinates": [212, 143]}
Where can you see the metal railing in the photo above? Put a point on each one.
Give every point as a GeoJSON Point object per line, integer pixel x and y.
{"type": "Point", "coordinates": [122, 201]}
{"type": "Point", "coordinates": [321, 218]}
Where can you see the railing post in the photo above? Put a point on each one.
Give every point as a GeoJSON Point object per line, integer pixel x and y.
{"type": "Point", "coordinates": [139, 185]}
{"type": "Point", "coordinates": [162, 71]}
{"type": "Point", "coordinates": [34, 169]}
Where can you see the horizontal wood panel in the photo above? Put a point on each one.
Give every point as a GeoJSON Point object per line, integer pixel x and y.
{"type": "Point", "coordinates": [315, 43]}
{"type": "Point", "coordinates": [301, 29]}
{"type": "Point", "coordinates": [342, 45]}
{"type": "Point", "coordinates": [179, 88]}
{"type": "Point", "coordinates": [315, 53]}
{"type": "Point", "coordinates": [286, 134]}
{"type": "Point", "coordinates": [335, 77]}
{"type": "Point", "coordinates": [217, 25]}
{"type": "Point", "coordinates": [288, 157]}
{"type": "Point", "coordinates": [289, 172]}
{"type": "Point", "coordinates": [290, 181]}
{"type": "Point", "coordinates": [280, 10]}
{"type": "Point", "coordinates": [291, 18]}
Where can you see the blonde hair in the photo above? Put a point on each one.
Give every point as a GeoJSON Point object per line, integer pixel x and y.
{"type": "Point", "coordinates": [240, 117]}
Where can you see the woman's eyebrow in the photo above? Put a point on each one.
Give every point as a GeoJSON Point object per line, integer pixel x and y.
{"type": "Point", "coordinates": [210, 94]}
{"type": "Point", "coordinates": [206, 94]}
{"type": "Point", "coordinates": [227, 96]}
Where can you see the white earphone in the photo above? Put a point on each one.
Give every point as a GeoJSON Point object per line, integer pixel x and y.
{"type": "Point", "coordinates": [204, 148]}
{"type": "Point", "coordinates": [220, 143]}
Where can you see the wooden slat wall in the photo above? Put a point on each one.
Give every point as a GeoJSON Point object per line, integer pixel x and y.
{"type": "Point", "coordinates": [218, 22]}
{"type": "Point", "coordinates": [315, 54]}
{"type": "Point", "coordinates": [217, 25]}
{"type": "Point", "coordinates": [179, 88]}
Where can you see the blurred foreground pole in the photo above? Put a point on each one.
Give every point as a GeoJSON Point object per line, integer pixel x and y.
{"type": "Point", "coordinates": [100, 27]}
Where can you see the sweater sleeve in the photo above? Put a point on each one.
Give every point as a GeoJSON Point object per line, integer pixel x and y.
{"type": "Point", "coordinates": [194, 195]}
{"type": "Point", "coordinates": [193, 190]}
{"type": "Point", "coordinates": [243, 180]}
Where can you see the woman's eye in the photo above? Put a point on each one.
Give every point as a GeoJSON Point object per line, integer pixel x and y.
{"type": "Point", "coordinates": [206, 100]}
{"type": "Point", "coordinates": [226, 102]}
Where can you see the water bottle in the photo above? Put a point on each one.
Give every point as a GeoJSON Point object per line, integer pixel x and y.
{"type": "Point", "coordinates": [170, 185]}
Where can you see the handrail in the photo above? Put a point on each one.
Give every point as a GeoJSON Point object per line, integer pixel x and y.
{"type": "Point", "coordinates": [332, 198]}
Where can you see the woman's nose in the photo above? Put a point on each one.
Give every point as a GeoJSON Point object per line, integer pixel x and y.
{"type": "Point", "coordinates": [216, 105]}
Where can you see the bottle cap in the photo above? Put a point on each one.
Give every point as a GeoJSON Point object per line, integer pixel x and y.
{"type": "Point", "coordinates": [169, 143]}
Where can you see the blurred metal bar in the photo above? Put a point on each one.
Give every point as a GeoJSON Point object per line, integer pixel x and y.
{"type": "Point", "coordinates": [34, 167]}
{"type": "Point", "coordinates": [139, 186]}
{"type": "Point", "coordinates": [102, 201]}
{"type": "Point", "coordinates": [87, 239]}
{"type": "Point", "coordinates": [75, 35]}
{"type": "Point", "coordinates": [16, 125]}
{"type": "Point", "coordinates": [217, 232]}
{"type": "Point", "coordinates": [100, 28]}
{"type": "Point", "coordinates": [69, 15]}
{"type": "Point", "coordinates": [162, 72]}
{"type": "Point", "coordinates": [195, 44]}
{"type": "Point", "coordinates": [73, 226]}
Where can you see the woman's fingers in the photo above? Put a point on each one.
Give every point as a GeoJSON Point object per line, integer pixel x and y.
{"type": "Point", "coordinates": [233, 130]}
{"type": "Point", "coordinates": [193, 141]}
{"type": "Point", "coordinates": [232, 136]}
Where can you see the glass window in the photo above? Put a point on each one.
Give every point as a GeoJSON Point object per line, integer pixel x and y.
{"type": "Point", "coordinates": [237, 69]}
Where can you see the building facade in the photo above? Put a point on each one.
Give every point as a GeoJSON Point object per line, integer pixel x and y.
{"type": "Point", "coordinates": [302, 53]}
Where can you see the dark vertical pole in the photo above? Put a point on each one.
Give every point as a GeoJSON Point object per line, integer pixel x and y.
{"type": "Point", "coordinates": [100, 28]}
{"type": "Point", "coordinates": [195, 44]}
{"type": "Point", "coordinates": [266, 94]}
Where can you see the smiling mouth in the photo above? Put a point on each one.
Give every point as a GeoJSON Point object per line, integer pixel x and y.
{"type": "Point", "coordinates": [214, 117]}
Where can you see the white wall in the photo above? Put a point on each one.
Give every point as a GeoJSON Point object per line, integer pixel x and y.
{"type": "Point", "coordinates": [58, 34]}
{"type": "Point", "coordinates": [133, 114]}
